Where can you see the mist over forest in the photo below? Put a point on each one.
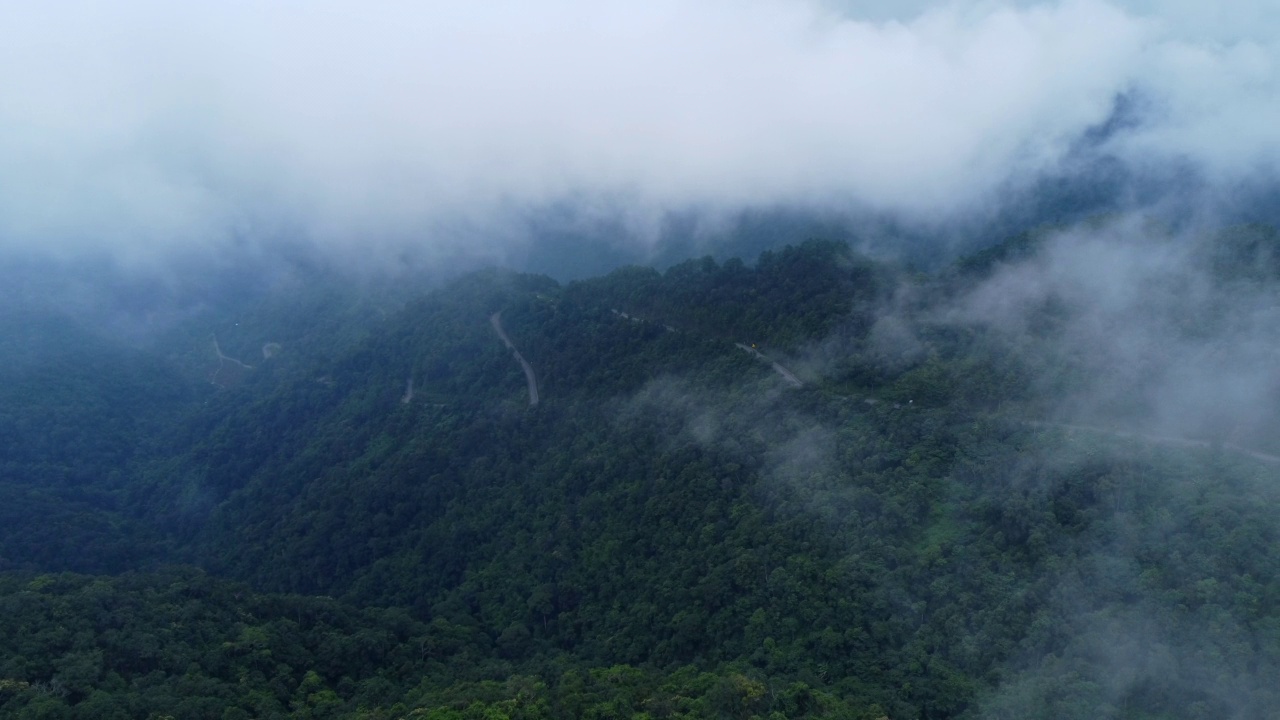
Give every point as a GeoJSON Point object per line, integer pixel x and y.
{"type": "Point", "coordinates": [765, 359]}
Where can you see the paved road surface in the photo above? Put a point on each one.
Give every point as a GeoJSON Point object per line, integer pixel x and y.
{"type": "Point", "coordinates": [1161, 439]}
{"type": "Point", "coordinates": [222, 359]}
{"type": "Point", "coordinates": [785, 373]}
{"type": "Point", "coordinates": [496, 321]}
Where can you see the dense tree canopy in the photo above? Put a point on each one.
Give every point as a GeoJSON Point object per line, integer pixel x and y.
{"type": "Point", "coordinates": [373, 521]}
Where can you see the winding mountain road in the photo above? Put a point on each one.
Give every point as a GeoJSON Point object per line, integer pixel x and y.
{"type": "Point", "coordinates": [222, 360]}
{"type": "Point", "coordinates": [777, 367]}
{"type": "Point", "coordinates": [1161, 439]}
{"type": "Point", "coordinates": [496, 321]}
{"type": "Point", "coordinates": [785, 373]}
{"type": "Point", "coordinates": [794, 381]}
{"type": "Point", "coordinates": [218, 349]}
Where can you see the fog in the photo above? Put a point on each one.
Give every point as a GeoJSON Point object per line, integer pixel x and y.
{"type": "Point", "coordinates": [1135, 327]}
{"type": "Point", "coordinates": [1148, 381]}
{"type": "Point", "coordinates": [436, 132]}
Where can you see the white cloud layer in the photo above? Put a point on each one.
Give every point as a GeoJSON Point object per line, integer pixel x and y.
{"type": "Point", "coordinates": [142, 124]}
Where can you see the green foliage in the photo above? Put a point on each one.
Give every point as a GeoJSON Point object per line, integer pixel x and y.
{"type": "Point", "coordinates": [672, 532]}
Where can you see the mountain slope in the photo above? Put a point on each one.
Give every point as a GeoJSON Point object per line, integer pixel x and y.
{"type": "Point", "coordinates": [911, 531]}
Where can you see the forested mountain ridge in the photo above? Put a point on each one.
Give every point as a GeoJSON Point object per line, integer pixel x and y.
{"type": "Point", "coordinates": [673, 530]}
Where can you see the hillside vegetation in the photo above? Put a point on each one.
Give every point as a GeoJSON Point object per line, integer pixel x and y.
{"type": "Point", "coordinates": [922, 529]}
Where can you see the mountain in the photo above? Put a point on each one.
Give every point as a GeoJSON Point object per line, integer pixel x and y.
{"type": "Point", "coordinates": [816, 486]}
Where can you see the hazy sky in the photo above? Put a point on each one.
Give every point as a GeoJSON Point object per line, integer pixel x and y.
{"type": "Point", "coordinates": [141, 125]}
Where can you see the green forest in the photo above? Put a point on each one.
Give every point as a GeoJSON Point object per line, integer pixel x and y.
{"type": "Point", "coordinates": [809, 485]}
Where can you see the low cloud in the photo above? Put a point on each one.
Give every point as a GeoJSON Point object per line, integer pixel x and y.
{"type": "Point", "coordinates": [144, 126]}
{"type": "Point", "coordinates": [1135, 327]}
